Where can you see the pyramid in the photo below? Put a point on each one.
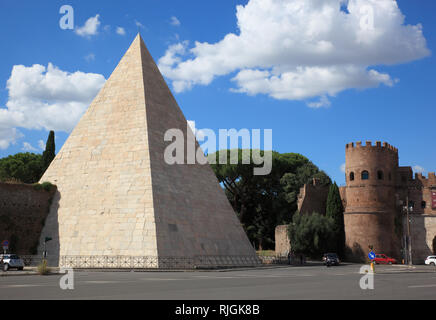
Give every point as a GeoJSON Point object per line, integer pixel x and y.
{"type": "Point", "coordinates": [119, 204]}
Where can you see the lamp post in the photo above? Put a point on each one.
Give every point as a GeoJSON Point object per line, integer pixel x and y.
{"type": "Point", "coordinates": [44, 254]}
{"type": "Point", "coordinates": [408, 209]}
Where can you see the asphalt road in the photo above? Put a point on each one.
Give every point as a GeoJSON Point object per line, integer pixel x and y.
{"type": "Point", "coordinates": [303, 282]}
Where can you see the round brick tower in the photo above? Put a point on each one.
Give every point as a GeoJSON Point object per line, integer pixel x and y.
{"type": "Point", "coordinates": [370, 198]}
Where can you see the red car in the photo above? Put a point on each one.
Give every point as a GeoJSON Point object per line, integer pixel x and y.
{"type": "Point", "coordinates": [383, 259]}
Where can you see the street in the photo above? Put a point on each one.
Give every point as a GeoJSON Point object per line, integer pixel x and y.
{"type": "Point", "coordinates": [283, 282]}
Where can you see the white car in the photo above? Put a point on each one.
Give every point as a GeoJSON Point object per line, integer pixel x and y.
{"type": "Point", "coordinates": [431, 260]}
{"type": "Point", "coordinates": [11, 261]}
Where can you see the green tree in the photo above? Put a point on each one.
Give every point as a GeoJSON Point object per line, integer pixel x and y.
{"type": "Point", "coordinates": [263, 202]}
{"type": "Point", "coordinates": [24, 167]}
{"type": "Point", "coordinates": [311, 234]}
{"type": "Point", "coordinates": [335, 210]}
{"type": "Point", "coordinates": [49, 154]}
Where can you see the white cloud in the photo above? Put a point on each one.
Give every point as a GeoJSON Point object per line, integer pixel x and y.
{"type": "Point", "coordinates": [27, 147]}
{"type": "Point", "coordinates": [45, 98]}
{"type": "Point", "coordinates": [139, 24]}
{"type": "Point", "coordinates": [323, 102]}
{"type": "Point", "coordinates": [342, 167]}
{"type": "Point", "coordinates": [8, 135]}
{"type": "Point", "coordinates": [90, 28]}
{"type": "Point", "coordinates": [174, 21]}
{"type": "Point", "coordinates": [301, 49]}
{"type": "Point", "coordinates": [90, 57]}
{"type": "Point", "coordinates": [41, 145]}
{"type": "Point", "coordinates": [121, 31]}
{"type": "Point", "coordinates": [418, 169]}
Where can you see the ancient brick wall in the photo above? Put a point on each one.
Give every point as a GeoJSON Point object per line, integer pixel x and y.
{"type": "Point", "coordinates": [282, 240]}
{"type": "Point", "coordinates": [23, 210]}
{"type": "Point", "coordinates": [419, 191]}
{"type": "Point", "coordinates": [423, 234]}
{"type": "Point", "coordinates": [313, 198]}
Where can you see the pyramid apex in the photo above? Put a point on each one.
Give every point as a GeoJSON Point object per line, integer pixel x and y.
{"type": "Point", "coordinates": [137, 38]}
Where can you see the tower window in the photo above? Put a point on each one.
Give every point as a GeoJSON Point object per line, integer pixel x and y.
{"type": "Point", "coordinates": [365, 175]}
{"type": "Point", "coordinates": [380, 175]}
{"type": "Point", "coordinates": [351, 176]}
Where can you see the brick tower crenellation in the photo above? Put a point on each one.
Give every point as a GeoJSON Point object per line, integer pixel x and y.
{"type": "Point", "coordinates": [371, 174]}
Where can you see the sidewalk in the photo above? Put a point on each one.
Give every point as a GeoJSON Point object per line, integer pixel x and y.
{"type": "Point", "coordinates": [401, 268]}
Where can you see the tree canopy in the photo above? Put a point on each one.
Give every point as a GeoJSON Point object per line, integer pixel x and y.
{"type": "Point", "coordinates": [49, 154]}
{"type": "Point", "coordinates": [23, 167]}
{"type": "Point", "coordinates": [264, 201]}
{"type": "Point", "coordinates": [312, 234]}
{"type": "Point", "coordinates": [27, 167]}
{"type": "Point", "coordinates": [335, 210]}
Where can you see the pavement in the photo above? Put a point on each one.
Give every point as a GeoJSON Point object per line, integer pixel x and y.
{"type": "Point", "coordinates": [312, 281]}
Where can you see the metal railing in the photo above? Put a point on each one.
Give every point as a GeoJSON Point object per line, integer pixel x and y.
{"type": "Point", "coordinates": [274, 259]}
{"type": "Point", "coordinates": [31, 260]}
{"type": "Point", "coordinates": [153, 262]}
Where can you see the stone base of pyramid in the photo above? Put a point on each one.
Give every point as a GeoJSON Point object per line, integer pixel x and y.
{"type": "Point", "coordinates": [137, 262]}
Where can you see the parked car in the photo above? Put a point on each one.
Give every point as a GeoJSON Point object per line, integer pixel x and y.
{"type": "Point", "coordinates": [331, 259]}
{"type": "Point", "coordinates": [383, 259]}
{"type": "Point", "coordinates": [11, 261]}
{"type": "Point", "coordinates": [431, 260]}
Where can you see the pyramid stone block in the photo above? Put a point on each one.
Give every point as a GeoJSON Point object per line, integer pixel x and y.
{"type": "Point", "coordinates": [117, 197]}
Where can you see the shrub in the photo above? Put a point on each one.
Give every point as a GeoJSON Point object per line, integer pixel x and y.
{"type": "Point", "coordinates": [47, 186]}
{"type": "Point", "coordinates": [43, 268]}
{"type": "Point", "coordinates": [312, 235]}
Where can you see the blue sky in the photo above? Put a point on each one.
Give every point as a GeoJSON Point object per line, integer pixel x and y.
{"type": "Point", "coordinates": [229, 84]}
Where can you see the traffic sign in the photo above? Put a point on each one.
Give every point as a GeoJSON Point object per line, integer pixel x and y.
{"type": "Point", "coordinates": [371, 255]}
{"type": "Point", "coordinates": [5, 243]}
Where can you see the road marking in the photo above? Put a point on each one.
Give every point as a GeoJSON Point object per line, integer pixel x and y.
{"type": "Point", "coordinates": [23, 285]}
{"type": "Point", "coordinates": [424, 286]}
{"type": "Point", "coordinates": [100, 282]}
{"type": "Point", "coordinates": [161, 279]}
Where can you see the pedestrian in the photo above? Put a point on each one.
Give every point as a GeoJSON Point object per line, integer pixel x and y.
{"type": "Point", "coordinates": [301, 259]}
{"type": "Point", "coordinates": [2, 265]}
{"type": "Point", "coordinates": [289, 257]}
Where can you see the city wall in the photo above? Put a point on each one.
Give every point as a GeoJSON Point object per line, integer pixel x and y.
{"type": "Point", "coordinates": [23, 210]}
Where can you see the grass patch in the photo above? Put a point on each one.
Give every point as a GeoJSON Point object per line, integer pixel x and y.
{"type": "Point", "coordinates": [43, 268]}
{"type": "Point", "coordinates": [266, 253]}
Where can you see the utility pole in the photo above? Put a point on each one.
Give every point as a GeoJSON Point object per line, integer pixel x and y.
{"type": "Point", "coordinates": [408, 208]}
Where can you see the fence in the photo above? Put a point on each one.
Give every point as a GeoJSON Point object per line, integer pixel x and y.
{"type": "Point", "coordinates": [152, 262]}
{"type": "Point", "coordinates": [31, 261]}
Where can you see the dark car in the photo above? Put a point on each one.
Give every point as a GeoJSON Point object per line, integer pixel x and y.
{"type": "Point", "coordinates": [331, 259]}
{"type": "Point", "coordinates": [9, 261]}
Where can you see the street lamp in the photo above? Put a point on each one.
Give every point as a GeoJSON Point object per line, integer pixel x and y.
{"type": "Point", "coordinates": [44, 254]}
{"type": "Point", "coordinates": [407, 209]}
